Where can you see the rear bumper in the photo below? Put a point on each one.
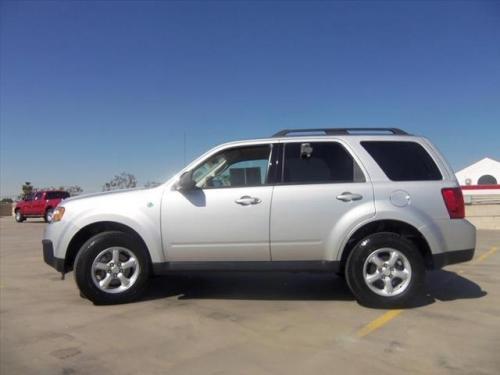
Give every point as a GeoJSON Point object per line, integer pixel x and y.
{"type": "Point", "coordinates": [452, 257]}
{"type": "Point", "coordinates": [49, 258]}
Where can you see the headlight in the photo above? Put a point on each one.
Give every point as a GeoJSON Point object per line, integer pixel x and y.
{"type": "Point", "coordinates": [57, 214]}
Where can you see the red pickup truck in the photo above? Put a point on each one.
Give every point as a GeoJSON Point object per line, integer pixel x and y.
{"type": "Point", "coordinates": [39, 204]}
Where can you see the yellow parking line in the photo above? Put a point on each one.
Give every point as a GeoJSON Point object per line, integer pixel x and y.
{"type": "Point", "coordinates": [390, 315]}
{"type": "Point", "coordinates": [485, 255]}
{"type": "Point", "coordinates": [378, 323]}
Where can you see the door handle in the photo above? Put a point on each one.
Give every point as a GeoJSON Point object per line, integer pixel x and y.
{"type": "Point", "coordinates": [348, 197]}
{"type": "Point", "coordinates": [247, 200]}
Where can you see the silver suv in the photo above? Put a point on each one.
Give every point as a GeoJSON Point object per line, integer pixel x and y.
{"type": "Point", "coordinates": [376, 206]}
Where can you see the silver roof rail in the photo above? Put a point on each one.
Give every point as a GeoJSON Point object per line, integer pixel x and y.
{"type": "Point", "coordinates": [341, 131]}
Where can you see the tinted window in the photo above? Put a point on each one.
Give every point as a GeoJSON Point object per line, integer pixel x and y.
{"type": "Point", "coordinates": [319, 162]}
{"type": "Point", "coordinates": [245, 166]}
{"type": "Point", "coordinates": [57, 195]}
{"type": "Point", "coordinates": [403, 161]}
{"type": "Point", "coordinates": [38, 196]}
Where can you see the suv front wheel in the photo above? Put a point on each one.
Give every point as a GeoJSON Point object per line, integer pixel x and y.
{"type": "Point", "coordinates": [112, 267]}
{"type": "Point", "coordinates": [385, 270]}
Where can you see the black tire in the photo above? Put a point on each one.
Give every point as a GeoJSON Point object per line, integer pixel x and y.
{"type": "Point", "coordinates": [90, 251]}
{"type": "Point", "coordinates": [19, 216]}
{"type": "Point", "coordinates": [356, 264]}
{"type": "Point", "coordinates": [48, 215]}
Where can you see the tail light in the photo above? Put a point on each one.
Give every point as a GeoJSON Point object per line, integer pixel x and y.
{"type": "Point", "coordinates": [454, 201]}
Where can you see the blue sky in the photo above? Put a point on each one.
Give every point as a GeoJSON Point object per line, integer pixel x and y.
{"type": "Point", "coordinates": [90, 89]}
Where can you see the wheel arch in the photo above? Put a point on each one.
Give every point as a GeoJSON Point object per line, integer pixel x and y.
{"type": "Point", "coordinates": [91, 230]}
{"type": "Point", "coordinates": [401, 228]}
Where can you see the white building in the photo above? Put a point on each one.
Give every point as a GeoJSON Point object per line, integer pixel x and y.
{"type": "Point", "coordinates": [485, 172]}
{"type": "Point", "coordinates": [480, 181]}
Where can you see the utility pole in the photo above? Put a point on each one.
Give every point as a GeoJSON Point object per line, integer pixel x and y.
{"type": "Point", "coordinates": [184, 152]}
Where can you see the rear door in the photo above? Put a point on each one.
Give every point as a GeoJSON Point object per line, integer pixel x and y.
{"type": "Point", "coordinates": [322, 187]}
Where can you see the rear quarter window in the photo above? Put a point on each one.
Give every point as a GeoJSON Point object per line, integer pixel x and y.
{"type": "Point", "coordinates": [403, 161]}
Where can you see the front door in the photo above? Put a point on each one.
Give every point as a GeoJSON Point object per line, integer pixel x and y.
{"type": "Point", "coordinates": [37, 204]}
{"type": "Point", "coordinates": [28, 203]}
{"type": "Point", "coordinates": [226, 217]}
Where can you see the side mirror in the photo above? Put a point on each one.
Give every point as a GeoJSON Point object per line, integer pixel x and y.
{"type": "Point", "coordinates": [186, 181]}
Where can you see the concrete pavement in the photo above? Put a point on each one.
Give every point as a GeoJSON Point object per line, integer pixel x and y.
{"type": "Point", "coordinates": [243, 323]}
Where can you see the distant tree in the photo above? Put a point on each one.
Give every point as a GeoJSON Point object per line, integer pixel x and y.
{"type": "Point", "coordinates": [27, 189]}
{"type": "Point", "coordinates": [122, 181]}
{"type": "Point", "coordinates": [6, 200]}
{"type": "Point", "coordinates": [152, 184]}
{"type": "Point", "coordinates": [73, 190]}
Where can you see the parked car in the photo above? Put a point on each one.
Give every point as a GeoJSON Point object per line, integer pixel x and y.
{"type": "Point", "coordinates": [377, 206]}
{"type": "Point", "coordinates": [39, 204]}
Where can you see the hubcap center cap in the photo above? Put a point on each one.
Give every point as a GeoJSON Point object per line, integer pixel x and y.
{"type": "Point", "coordinates": [115, 269]}
{"type": "Point", "coordinates": [386, 271]}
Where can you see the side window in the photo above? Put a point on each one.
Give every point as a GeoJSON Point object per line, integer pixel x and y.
{"type": "Point", "coordinates": [38, 196]}
{"type": "Point", "coordinates": [319, 162]}
{"type": "Point", "coordinates": [403, 161]}
{"type": "Point", "coordinates": [244, 166]}
{"type": "Point", "coordinates": [56, 195]}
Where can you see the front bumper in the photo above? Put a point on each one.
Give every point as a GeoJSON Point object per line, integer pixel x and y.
{"type": "Point", "coordinates": [452, 257]}
{"type": "Point", "coordinates": [49, 258]}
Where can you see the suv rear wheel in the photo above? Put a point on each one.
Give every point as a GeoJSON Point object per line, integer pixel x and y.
{"type": "Point", "coordinates": [385, 270]}
{"type": "Point", "coordinates": [112, 267]}
{"type": "Point", "coordinates": [19, 216]}
{"type": "Point", "coordinates": [48, 215]}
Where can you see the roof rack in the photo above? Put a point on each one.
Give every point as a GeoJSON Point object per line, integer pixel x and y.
{"type": "Point", "coordinates": [341, 131]}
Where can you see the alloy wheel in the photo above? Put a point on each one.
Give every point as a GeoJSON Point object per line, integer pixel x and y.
{"type": "Point", "coordinates": [115, 270]}
{"type": "Point", "coordinates": [387, 272]}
